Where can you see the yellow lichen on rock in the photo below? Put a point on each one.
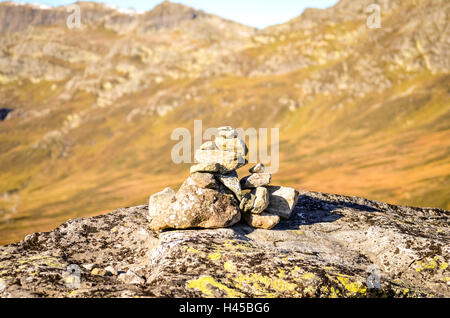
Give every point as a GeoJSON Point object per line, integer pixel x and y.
{"type": "Point", "coordinates": [98, 272]}
{"type": "Point", "coordinates": [214, 256]}
{"type": "Point", "coordinates": [431, 265]}
{"type": "Point", "coordinates": [235, 245]}
{"type": "Point", "coordinates": [37, 260]}
{"type": "Point", "coordinates": [194, 251]}
{"type": "Point", "coordinates": [205, 283]}
{"type": "Point", "coordinates": [262, 285]}
{"type": "Point", "coordinates": [334, 293]}
{"type": "Point", "coordinates": [191, 250]}
{"type": "Point", "coordinates": [352, 287]}
{"type": "Point", "coordinates": [308, 276]}
{"type": "Point", "coordinates": [229, 266]}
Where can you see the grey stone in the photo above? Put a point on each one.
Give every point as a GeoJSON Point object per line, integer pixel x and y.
{"type": "Point", "coordinates": [98, 272]}
{"type": "Point", "coordinates": [236, 145]}
{"type": "Point", "coordinates": [261, 200]}
{"type": "Point", "coordinates": [131, 278]}
{"type": "Point", "coordinates": [160, 201]}
{"type": "Point", "coordinates": [261, 221]}
{"type": "Point", "coordinates": [247, 202]}
{"type": "Point", "coordinates": [255, 201]}
{"type": "Point", "coordinates": [209, 145]}
{"type": "Point", "coordinates": [259, 168]}
{"type": "Point", "coordinates": [282, 201]}
{"type": "Point", "coordinates": [205, 167]}
{"type": "Point", "coordinates": [256, 180]}
{"type": "Point", "coordinates": [89, 267]}
{"type": "Point", "coordinates": [111, 270]}
{"type": "Point", "coordinates": [231, 181]}
{"type": "Point", "coordinates": [198, 207]}
{"type": "Point", "coordinates": [202, 180]}
{"type": "Point", "coordinates": [227, 132]}
{"type": "Point", "coordinates": [228, 161]}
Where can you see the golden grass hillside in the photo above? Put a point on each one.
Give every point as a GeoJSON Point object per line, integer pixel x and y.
{"type": "Point", "coordinates": [361, 112]}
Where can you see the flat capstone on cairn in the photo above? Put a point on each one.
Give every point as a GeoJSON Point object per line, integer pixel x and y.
{"type": "Point", "coordinates": [214, 197]}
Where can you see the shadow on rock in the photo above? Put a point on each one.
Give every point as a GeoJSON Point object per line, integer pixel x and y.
{"type": "Point", "coordinates": [311, 210]}
{"type": "Point", "coordinates": [4, 112]}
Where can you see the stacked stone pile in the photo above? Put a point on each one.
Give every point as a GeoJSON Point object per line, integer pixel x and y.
{"type": "Point", "coordinates": [214, 197]}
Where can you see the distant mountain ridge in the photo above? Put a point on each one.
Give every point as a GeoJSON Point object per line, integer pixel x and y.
{"type": "Point", "coordinates": [18, 17]}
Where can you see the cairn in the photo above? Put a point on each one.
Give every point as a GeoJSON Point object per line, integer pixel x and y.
{"type": "Point", "coordinates": [214, 197]}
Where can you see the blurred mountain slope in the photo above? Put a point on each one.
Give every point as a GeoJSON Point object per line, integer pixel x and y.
{"type": "Point", "coordinates": [361, 111]}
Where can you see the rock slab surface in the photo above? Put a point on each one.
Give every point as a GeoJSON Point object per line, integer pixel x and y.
{"type": "Point", "coordinates": [332, 246]}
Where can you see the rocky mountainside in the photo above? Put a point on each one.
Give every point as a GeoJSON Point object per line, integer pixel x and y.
{"type": "Point", "coordinates": [86, 114]}
{"type": "Point", "coordinates": [20, 17]}
{"type": "Point", "coordinates": [332, 246]}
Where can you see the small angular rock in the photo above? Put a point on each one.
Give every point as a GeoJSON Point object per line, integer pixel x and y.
{"type": "Point", "coordinates": [262, 221]}
{"type": "Point", "coordinates": [255, 201]}
{"type": "Point", "coordinates": [111, 270]}
{"type": "Point", "coordinates": [227, 132]}
{"type": "Point", "coordinates": [131, 278]}
{"type": "Point", "coordinates": [160, 201]}
{"type": "Point", "coordinates": [247, 202]}
{"type": "Point", "coordinates": [261, 200]}
{"type": "Point", "coordinates": [98, 272]}
{"type": "Point", "coordinates": [236, 145]}
{"type": "Point", "coordinates": [282, 201]}
{"type": "Point", "coordinates": [205, 167]}
{"type": "Point", "coordinates": [259, 168]}
{"type": "Point", "coordinates": [89, 267]}
{"type": "Point", "coordinates": [203, 180]}
{"type": "Point", "coordinates": [256, 180]}
{"type": "Point", "coordinates": [231, 181]}
{"type": "Point", "coordinates": [209, 145]}
{"type": "Point", "coordinates": [228, 161]}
